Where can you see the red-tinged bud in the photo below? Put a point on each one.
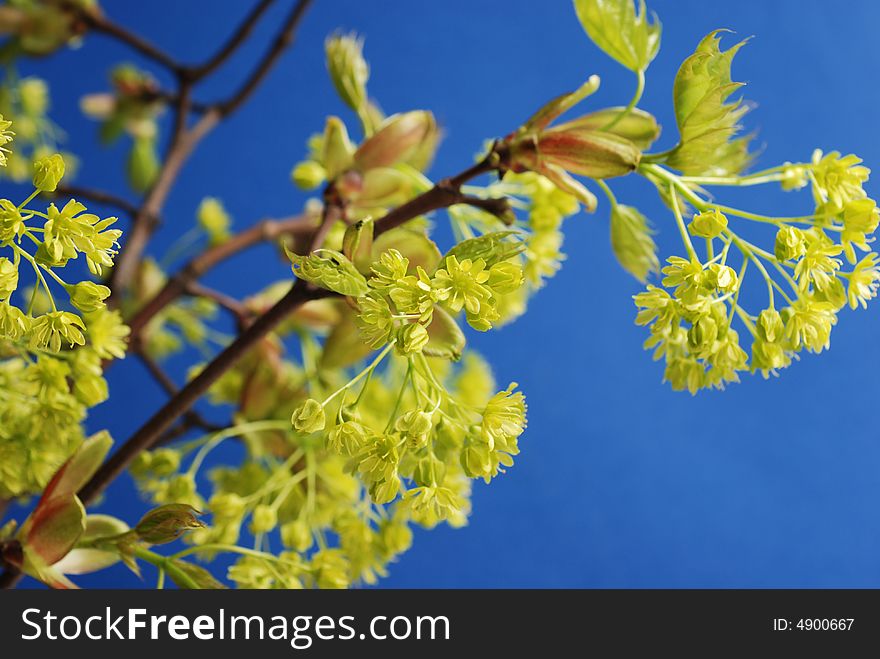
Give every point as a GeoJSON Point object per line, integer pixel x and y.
{"type": "Point", "coordinates": [167, 523]}
{"type": "Point", "coordinates": [400, 138]}
{"type": "Point", "coordinates": [587, 152]}
{"type": "Point", "coordinates": [59, 519]}
{"type": "Point", "coordinates": [637, 126]}
{"type": "Point", "coordinates": [543, 117]}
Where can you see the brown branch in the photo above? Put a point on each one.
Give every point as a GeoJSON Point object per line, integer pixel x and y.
{"type": "Point", "coordinates": [96, 196]}
{"type": "Point", "coordinates": [192, 418]}
{"type": "Point", "coordinates": [282, 41]}
{"type": "Point", "coordinates": [241, 34]}
{"type": "Point", "coordinates": [264, 231]}
{"type": "Point", "coordinates": [100, 23]}
{"type": "Point", "coordinates": [236, 307]}
{"type": "Point", "coordinates": [162, 420]}
{"type": "Point", "coordinates": [444, 194]}
{"type": "Point", "coordinates": [182, 144]}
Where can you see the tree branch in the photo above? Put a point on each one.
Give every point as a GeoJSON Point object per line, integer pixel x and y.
{"type": "Point", "coordinates": [193, 418]}
{"type": "Point", "coordinates": [100, 23]}
{"type": "Point", "coordinates": [182, 144]}
{"type": "Point", "coordinates": [264, 231]}
{"type": "Point", "coordinates": [241, 34]}
{"type": "Point", "coordinates": [282, 41]}
{"type": "Point", "coordinates": [444, 194]}
{"type": "Point", "coordinates": [96, 196]}
{"type": "Point", "coordinates": [236, 307]}
{"type": "Point", "coordinates": [162, 420]}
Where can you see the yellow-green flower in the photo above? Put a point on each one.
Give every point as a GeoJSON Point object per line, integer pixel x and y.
{"type": "Point", "coordinates": [50, 330]}
{"type": "Point", "coordinates": [462, 284]}
{"type": "Point", "coordinates": [8, 278]}
{"type": "Point", "coordinates": [87, 296]}
{"type": "Point", "coordinates": [308, 417]}
{"type": "Point", "coordinates": [864, 281]}
{"type": "Point", "coordinates": [839, 179]}
{"type": "Point", "coordinates": [709, 224]}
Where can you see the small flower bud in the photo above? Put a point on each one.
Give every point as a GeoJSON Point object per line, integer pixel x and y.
{"type": "Point", "coordinates": [308, 175]}
{"type": "Point", "coordinates": [505, 277]}
{"type": "Point", "coordinates": [709, 224]}
{"type": "Point", "coordinates": [11, 222]}
{"type": "Point", "coordinates": [702, 335]}
{"type": "Point", "coordinates": [308, 417]}
{"type": "Point", "coordinates": [415, 425]}
{"type": "Point", "coordinates": [34, 96]}
{"type": "Point", "coordinates": [412, 338]}
{"type": "Point", "coordinates": [167, 523]}
{"type": "Point", "coordinates": [396, 141]}
{"type": "Point", "coordinates": [140, 467]}
{"type": "Point", "coordinates": [770, 326]}
{"type": "Point", "coordinates": [48, 172]}
{"type": "Point", "coordinates": [396, 537]}
{"type": "Point", "coordinates": [337, 151]}
{"type": "Point", "coordinates": [87, 296]}
{"type": "Point", "coordinates": [226, 506]}
{"type": "Point", "coordinates": [347, 438]}
{"type": "Point", "coordinates": [794, 178]}
{"type": "Point", "coordinates": [296, 535]}
{"type": "Point", "coordinates": [263, 519]}
{"type": "Point", "coordinates": [348, 69]}
{"type": "Point", "coordinates": [790, 243]}
{"type": "Point", "coordinates": [8, 278]}
{"type": "Point", "coordinates": [214, 220]}
{"type": "Point", "coordinates": [164, 461]}
{"type": "Point", "coordinates": [357, 244]}
{"type": "Point", "coordinates": [181, 487]}
{"type": "Point", "coordinates": [721, 277]}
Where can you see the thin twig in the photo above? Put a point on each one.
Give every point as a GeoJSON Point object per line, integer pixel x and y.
{"type": "Point", "coordinates": [265, 231]}
{"type": "Point", "coordinates": [162, 420]}
{"type": "Point", "coordinates": [282, 41]}
{"type": "Point", "coordinates": [184, 142]}
{"type": "Point", "coordinates": [444, 194]}
{"type": "Point", "coordinates": [98, 197]}
{"type": "Point", "coordinates": [240, 35]}
{"type": "Point", "coordinates": [100, 23]}
{"type": "Point", "coordinates": [236, 307]}
{"type": "Point", "coordinates": [193, 418]}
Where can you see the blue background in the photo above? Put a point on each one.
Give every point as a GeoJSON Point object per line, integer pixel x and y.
{"type": "Point", "coordinates": [621, 482]}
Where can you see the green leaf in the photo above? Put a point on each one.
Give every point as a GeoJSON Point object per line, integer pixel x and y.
{"type": "Point", "coordinates": [632, 243]}
{"type": "Point", "coordinates": [708, 123]}
{"type": "Point", "coordinates": [491, 247]}
{"type": "Point", "coordinates": [625, 34]}
{"type": "Point", "coordinates": [330, 270]}
{"type": "Point", "coordinates": [445, 338]}
{"type": "Point", "coordinates": [191, 577]}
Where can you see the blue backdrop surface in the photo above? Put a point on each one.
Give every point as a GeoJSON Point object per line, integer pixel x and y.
{"type": "Point", "coordinates": [621, 482]}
